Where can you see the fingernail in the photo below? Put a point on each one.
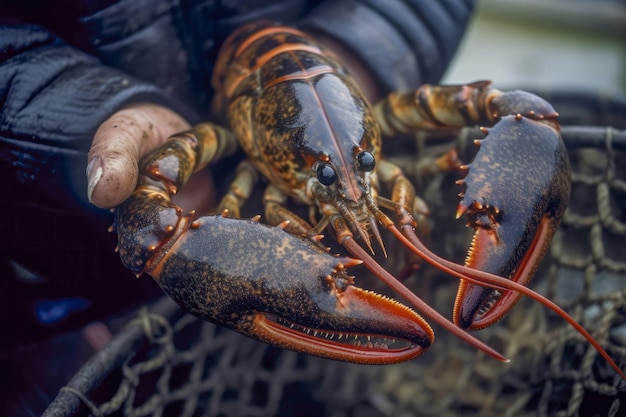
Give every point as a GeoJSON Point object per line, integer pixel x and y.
{"type": "Point", "coordinates": [94, 173]}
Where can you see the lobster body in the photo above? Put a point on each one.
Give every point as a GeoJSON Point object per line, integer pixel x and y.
{"type": "Point", "coordinates": [307, 128]}
{"type": "Point", "coordinates": [289, 102]}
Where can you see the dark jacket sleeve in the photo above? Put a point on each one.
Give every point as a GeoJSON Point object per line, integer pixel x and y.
{"type": "Point", "coordinates": [57, 95]}
{"type": "Point", "coordinates": [54, 99]}
{"type": "Point", "coordinates": [404, 43]}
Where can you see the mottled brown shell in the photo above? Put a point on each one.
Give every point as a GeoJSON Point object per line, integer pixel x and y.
{"type": "Point", "coordinates": [291, 104]}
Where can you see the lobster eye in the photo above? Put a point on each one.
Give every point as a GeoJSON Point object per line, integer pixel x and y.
{"type": "Point", "coordinates": [326, 174]}
{"type": "Point", "coordinates": [366, 161]}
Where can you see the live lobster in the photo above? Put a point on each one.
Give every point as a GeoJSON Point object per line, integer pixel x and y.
{"type": "Point", "coordinates": [307, 129]}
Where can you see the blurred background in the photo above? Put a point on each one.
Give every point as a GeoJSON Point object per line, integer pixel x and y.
{"type": "Point", "coordinates": [540, 44]}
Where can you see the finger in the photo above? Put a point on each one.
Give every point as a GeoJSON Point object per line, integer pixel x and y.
{"type": "Point", "coordinates": [118, 145]}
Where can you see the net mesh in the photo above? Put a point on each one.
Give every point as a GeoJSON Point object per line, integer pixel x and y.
{"type": "Point", "coordinates": [168, 363]}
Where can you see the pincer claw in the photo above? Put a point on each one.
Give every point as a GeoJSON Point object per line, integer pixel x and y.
{"type": "Point", "coordinates": [515, 206]}
{"type": "Point", "coordinates": [287, 292]}
{"type": "Point", "coordinates": [267, 284]}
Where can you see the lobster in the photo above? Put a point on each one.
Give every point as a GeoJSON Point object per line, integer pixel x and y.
{"type": "Point", "coordinates": [307, 129]}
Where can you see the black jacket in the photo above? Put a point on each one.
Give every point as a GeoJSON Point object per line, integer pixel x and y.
{"type": "Point", "coordinates": [65, 66]}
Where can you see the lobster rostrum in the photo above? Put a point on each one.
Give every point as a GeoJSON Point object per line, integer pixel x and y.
{"type": "Point", "coordinates": [306, 127]}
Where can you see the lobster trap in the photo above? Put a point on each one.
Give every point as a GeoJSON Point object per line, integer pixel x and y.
{"type": "Point", "coordinates": [167, 363]}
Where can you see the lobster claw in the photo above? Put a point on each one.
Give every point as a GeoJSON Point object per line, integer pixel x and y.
{"type": "Point", "coordinates": [516, 192]}
{"type": "Point", "coordinates": [357, 326]}
{"type": "Point", "coordinates": [267, 284]}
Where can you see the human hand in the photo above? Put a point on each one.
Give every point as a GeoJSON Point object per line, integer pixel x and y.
{"type": "Point", "coordinates": [119, 144]}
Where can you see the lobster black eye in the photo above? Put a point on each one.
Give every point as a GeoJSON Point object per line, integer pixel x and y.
{"type": "Point", "coordinates": [326, 174]}
{"type": "Point", "coordinates": [366, 161]}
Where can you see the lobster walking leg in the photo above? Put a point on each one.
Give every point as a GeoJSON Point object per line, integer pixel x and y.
{"type": "Point", "coordinates": [239, 191]}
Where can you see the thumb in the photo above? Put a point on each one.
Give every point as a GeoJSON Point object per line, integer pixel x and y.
{"type": "Point", "coordinates": [118, 145]}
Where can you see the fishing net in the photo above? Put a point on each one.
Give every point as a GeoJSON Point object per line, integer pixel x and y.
{"type": "Point", "coordinates": [167, 363]}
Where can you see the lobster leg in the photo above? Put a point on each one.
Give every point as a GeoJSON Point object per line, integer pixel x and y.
{"type": "Point", "coordinates": [258, 280]}
{"type": "Point", "coordinates": [239, 191]}
{"type": "Point", "coordinates": [274, 200]}
{"type": "Point", "coordinates": [276, 213]}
